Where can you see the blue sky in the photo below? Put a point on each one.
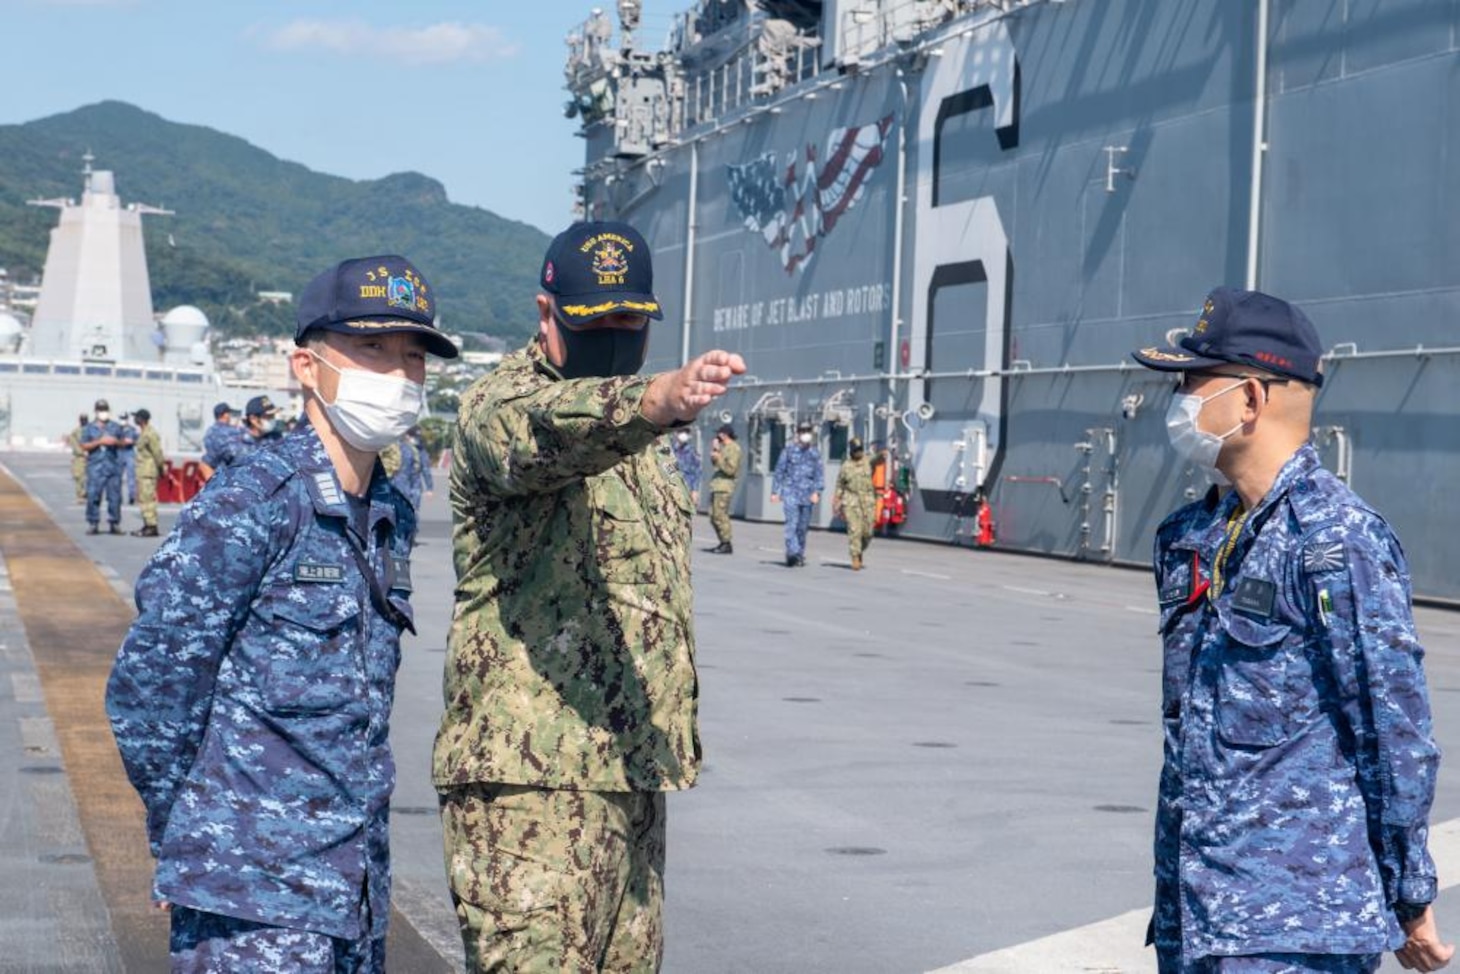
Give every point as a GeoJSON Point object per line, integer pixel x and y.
{"type": "Point", "coordinates": [469, 92]}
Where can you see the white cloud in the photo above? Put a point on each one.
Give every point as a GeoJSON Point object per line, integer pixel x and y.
{"type": "Point", "coordinates": [434, 44]}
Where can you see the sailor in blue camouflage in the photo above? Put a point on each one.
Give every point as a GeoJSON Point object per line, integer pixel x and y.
{"type": "Point", "coordinates": [101, 439]}
{"type": "Point", "coordinates": [1299, 758]}
{"type": "Point", "coordinates": [127, 457]}
{"type": "Point", "coordinates": [224, 443]}
{"type": "Point", "coordinates": [414, 475]}
{"type": "Point", "coordinates": [1183, 570]}
{"type": "Point", "coordinates": [688, 461]}
{"type": "Point", "coordinates": [251, 698]}
{"type": "Point", "coordinates": [797, 483]}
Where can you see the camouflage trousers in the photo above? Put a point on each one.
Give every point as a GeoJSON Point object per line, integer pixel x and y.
{"type": "Point", "coordinates": [860, 513]}
{"type": "Point", "coordinates": [720, 514]}
{"type": "Point", "coordinates": [147, 498]}
{"type": "Point", "coordinates": [78, 474]}
{"type": "Point", "coordinates": [208, 943]}
{"type": "Point", "coordinates": [551, 881]}
{"type": "Point", "coordinates": [1270, 964]}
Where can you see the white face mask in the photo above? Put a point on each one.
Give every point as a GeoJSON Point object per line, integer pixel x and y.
{"type": "Point", "coordinates": [102, 415]}
{"type": "Point", "coordinates": [805, 439]}
{"type": "Point", "coordinates": [1194, 444]}
{"type": "Point", "coordinates": [372, 410]}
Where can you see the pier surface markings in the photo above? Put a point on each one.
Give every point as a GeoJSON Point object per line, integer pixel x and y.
{"type": "Point", "coordinates": [74, 621]}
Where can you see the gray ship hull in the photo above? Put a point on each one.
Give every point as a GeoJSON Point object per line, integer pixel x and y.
{"type": "Point", "coordinates": [950, 242]}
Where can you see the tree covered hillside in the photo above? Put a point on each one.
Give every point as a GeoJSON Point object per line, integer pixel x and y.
{"type": "Point", "coordinates": [247, 221]}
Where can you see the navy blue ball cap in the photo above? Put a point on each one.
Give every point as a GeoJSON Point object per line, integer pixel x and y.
{"type": "Point", "coordinates": [260, 406]}
{"type": "Point", "coordinates": [222, 409]}
{"type": "Point", "coordinates": [597, 268]}
{"type": "Point", "coordinates": [372, 295]}
{"type": "Point", "coordinates": [1244, 328]}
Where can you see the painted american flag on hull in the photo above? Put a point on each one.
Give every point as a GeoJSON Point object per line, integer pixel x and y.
{"type": "Point", "coordinates": [794, 203]}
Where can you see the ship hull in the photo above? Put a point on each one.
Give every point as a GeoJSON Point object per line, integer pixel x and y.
{"type": "Point", "coordinates": [953, 249]}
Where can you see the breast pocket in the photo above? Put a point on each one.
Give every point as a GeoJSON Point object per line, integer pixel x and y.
{"type": "Point", "coordinates": [1253, 681]}
{"type": "Point", "coordinates": [621, 537]}
{"type": "Point", "coordinates": [312, 664]}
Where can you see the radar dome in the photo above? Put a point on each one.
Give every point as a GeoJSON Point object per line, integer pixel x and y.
{"type": "Point", "coordinates": [187, 315]}
{"type": "Point", "coordinates": [184, 327]}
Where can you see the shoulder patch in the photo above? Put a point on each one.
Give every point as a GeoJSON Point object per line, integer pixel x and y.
{"type": "Point", "coordinates": [1323, 556]}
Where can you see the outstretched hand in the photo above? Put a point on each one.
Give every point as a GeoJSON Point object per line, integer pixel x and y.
{"type": "Point", "coordinates": [1423, 950]}
{"type": "Point", "coordinates": [678, 396]}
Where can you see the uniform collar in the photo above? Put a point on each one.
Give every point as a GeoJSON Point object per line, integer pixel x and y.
{"type": "Point", "coordinates": [307, 453]}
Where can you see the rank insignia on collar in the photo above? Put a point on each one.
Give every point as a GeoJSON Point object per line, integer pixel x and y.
{"type": "Point", "coordinates": [1323, 556]}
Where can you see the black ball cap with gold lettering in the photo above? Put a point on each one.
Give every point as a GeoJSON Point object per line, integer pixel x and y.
{"type": "Point", "coordinates": [597, 268]}
{"type": "Point", "coordinates": [372, 295]}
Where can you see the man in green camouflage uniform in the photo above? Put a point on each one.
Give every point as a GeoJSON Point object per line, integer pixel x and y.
{"type": "Point", "coordinates": [725, 458]}
{"type": "Point", "coordinates": [78, 457]}
{"type": "Point", "coordinates": [856, 500]}
{"type": "Point", "coordinates": [570, 683]}
{"type": "Point", "coordinates": [149, 467]}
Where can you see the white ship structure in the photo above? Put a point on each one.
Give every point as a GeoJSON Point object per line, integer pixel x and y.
{"type": "Point", "coordinates": [94, 334]}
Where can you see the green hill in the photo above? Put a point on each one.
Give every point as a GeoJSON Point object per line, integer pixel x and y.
{"type": "Point", "coordinates": [247, 221]}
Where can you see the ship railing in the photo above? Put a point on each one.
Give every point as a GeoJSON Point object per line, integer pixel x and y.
{"type": "Point", "coordinates": [101, 370]}
{"type": "Point", "coordinates": [902, 22]}
{"type": "Point", "coordinates": [1346, 351]}
{"type": "Point", "coordinates": [765, 62]}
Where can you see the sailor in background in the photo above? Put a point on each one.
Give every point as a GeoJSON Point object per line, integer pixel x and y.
{"type": "Point", "coordinates": [1299, 763]}
{"type": "Point", "coordinates": [261, 426]}
{"type": "Point", "coordinates": [725, 459]}
{"type": "Point", "coordinates": [223, 442]}
{"type": "Point", "coordinates": [127, 458]}
{"type": "Point", "coordinates": [101, 439]}
{"type": "Point", "coordinates": [687, 458]}
{"type": "Point", "coordinates": [855, 500]}
{"type": "Point", "coordinates": [798, 482]}
{"type": "Point", "coordinates": [408, 464]}
{"type": "Point", "coordinates": [251, 700]}
{"type": "Point", "coordinates": [150, 462]}
{"type": "Point", "coordinates": [78, 457]}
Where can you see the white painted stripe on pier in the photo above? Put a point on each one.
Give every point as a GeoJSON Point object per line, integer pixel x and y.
{"type": "Point", "coordinates": [1116, 945]}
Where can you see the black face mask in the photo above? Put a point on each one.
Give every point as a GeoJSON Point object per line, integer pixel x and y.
{"type": "Point", "coordinates": [602, 352]}
{"type": "Point", "coordinates": [857, 454]}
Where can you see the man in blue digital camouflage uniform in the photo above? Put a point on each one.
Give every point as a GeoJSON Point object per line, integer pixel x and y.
{"type": "Point", "coordinates": [688, 461]}
{"type": "Point", "coordinates": [127, 458]}
{"type": "Point", "coordinates": [223, 442]}
{"type": "Point", "coordinates": [102, 438]}
{"type": "Point", "coordinates": [1299, 761]}
{"type": "Point", "coordinates": [251, 699]}
{"type": "Point", "coordinates": [798, 482]}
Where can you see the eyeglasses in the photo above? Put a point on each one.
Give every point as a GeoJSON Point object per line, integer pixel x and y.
{"type": "Point", "coordinates": [1266, 380]}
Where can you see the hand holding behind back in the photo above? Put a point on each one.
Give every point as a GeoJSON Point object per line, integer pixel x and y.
{"type": "Point", "coordinates": [1423, 950]}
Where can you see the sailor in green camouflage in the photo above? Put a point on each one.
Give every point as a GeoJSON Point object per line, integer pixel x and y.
{"type": "Point", "coordinates": [725, 458]}
{"type": "Point", "coordinates": [78, 456]}
{"type": "Point", "coordinates": [150, 461]}
{"type": "Point", "coordinates": [856, 499]}
{"type": "Point", "coordinates": [570, 684]}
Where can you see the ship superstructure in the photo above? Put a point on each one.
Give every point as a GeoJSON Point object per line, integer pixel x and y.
{"type": "Point", "coordinates": [942, 225]}
{"type": "Point", "coordinates": [94, 335]}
